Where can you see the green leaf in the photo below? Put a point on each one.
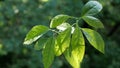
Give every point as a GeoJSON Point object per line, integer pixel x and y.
{"type": "Point", "coordinates": [75, 58]}
{"type": "Point", "coordinates": [77, 38]}
{"type": "Point", "coordinates": [35, 33]}
{"type": "Point", "coordinates": [75, 54]}
{"type": "Point", "coordinates": [94, 39]}
{"type": "Point", "coordinates": [40, 44]}
{"type": "Point", "coordinates": [62, 41]}
{"type": "Point", "coordinates": [91, 8]}
{"type": "Point", "coordinates": [92, 21]}
{"type": "Point", "coordinates": [48, 52]}
{"type": "Point", "coordinates": [57, 20]}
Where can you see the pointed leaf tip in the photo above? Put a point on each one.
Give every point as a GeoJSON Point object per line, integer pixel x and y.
{"type": "Point", "coordinates": [94, 39]}
{"type": "Point", "coordinates": [75, 53]}
{"type": "Point", "coordinates": [35, 33]}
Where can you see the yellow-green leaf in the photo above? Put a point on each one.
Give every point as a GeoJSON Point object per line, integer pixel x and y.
{"type": "Point", "coordinates": [48, 52]}
{"type": "Point", "coordinates": [94, 39]}
{"type": "Point", "coordinates": [75, 54]}
{"type": "Point", "coordinates": [62, 41]}
{"type": "Point", "coordinates": [35, 33]}
{"type": "Point", "coordinates": [77, 38]}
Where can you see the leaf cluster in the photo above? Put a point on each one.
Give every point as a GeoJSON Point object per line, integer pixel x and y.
{"type": "Point", "coordinates": [68, 39]}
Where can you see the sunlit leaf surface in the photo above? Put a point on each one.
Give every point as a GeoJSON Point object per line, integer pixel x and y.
{"type": "Point", "coordinates": [75, 53]}
{"type": "Point", "coordinates": [57, 20]}
{"type": "Point", "coordinates": [35, 33]}
{"type": "Point", "coordinates": [63, 41]}
{"type": "Point", "coordinates": [92, 21]}
{"type": "Point", "coordinates": [94, 39]}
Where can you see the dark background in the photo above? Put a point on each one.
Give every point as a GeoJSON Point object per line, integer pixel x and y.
{"type": "Point", "coordinates": [17, 17]}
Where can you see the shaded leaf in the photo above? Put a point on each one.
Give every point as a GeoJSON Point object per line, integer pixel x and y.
{"type": "Point", "coordinates": [40, 44]}
{"type": "Point", "coordinates": [35, 33]}
{"type": "Point", "coordinates": [57, 20]}
{"type": "Point", "coordinates": [91, 8]}
{"type": "Point", "coordinates": [94, 39]}
{"type": "Point", "coordinates": [62, 41]}
{"type": "Point", "coordinates": [48, 52]}
{"type": "Point", "coordinates": [92, 21]}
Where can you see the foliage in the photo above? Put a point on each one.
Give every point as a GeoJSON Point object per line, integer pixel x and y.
{"type": "Point", "coordinates": [18, 16]}
{"type": "Point", "coordinates": [62, 43]}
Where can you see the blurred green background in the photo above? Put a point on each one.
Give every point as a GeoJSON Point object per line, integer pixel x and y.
{"type": "Point", "coordinates": [17, 17]}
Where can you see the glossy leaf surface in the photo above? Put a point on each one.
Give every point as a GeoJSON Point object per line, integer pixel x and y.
{"type": "Point", "coordinates": [91, 8]}
{"type": "Point", "coordinates": [63, 26]}
{"type": "Point", "coordinates": [57, 20]}
{"type": "Point", "coordinates": [35, 33]}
